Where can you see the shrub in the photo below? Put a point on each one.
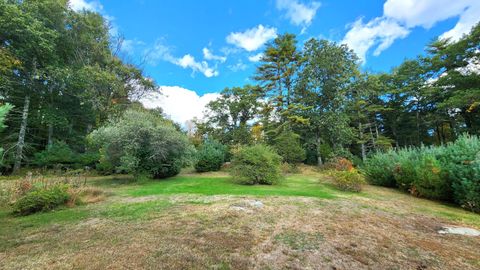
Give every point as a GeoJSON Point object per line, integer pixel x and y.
{"type": "Point", "coordinates": [210, 156]}
{"type": "Point", "coordinates": [339, 164]}
{"type": "Point", "coordinates": [258, 164]}
{"type": "Point", "coordinates": [349, 180]}
{"type": "Point", "coordinates": [405, 169]}
{"type": "Point", "coordinates": [428, 181]}
{"type": "Point", "coordinates": [57, 153]}
{"type": "Point", "coordinates": [41, 199]}
{"type": "Point", "coordinates": [288, 146]}
{"type": "Point", "coordinates": [460, 161]}
{"type": "Point", "coordinates": [378, 169]}
{"type": "Point", "coordinates": [142, 142]}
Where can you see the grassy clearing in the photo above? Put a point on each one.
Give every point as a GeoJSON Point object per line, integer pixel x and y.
{"type": "Point", "coordinates": [297, 185]}
{"type": "Point", "coordinates": [194, 221]}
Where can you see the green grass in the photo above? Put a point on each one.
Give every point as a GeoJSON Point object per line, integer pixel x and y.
{"type": "Point", "coordinates": [206, 185]}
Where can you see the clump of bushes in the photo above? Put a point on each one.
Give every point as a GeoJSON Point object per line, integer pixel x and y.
{"type": "Point", "coordinates": [210, 156]}
{"type": "Point", "coordinates": [257, 164]}
{"type": "Point", "coordinates": [34, 194]}
{"type": "Point", "coordinates": [449, 173]}
{"type": "Point", "coordinates": [60, 154]}
{"type": "Point", "coordinates": [349, 180]}
{"type": "Point", "coordinates": [142, 143]}
{"type": "Point", "coordinates": [42, 199]}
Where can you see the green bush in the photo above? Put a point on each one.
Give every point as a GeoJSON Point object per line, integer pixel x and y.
{"type": "Point", "coordinates": [41, 199]}
{"type": "Point", "coordinates": [143, 143]}
{"type": "Point", "coordinates": [258, 164]}
{"type": "Point", "coordinates": [210, 156]}
{"type": "Point", "coordinates": [429, 182]}
{"type": "Point", "coordinates": [288, 146]}
{"type": "Point", "coordinates": [449, 173]}
{"type": "Point", "coordinates": [378, 169]}
{"type": "Point", "coordinates": [57, 153]}
{"type": "Point", "coordinates": [405, 168]}
{"type": "Point", "coordinates": [460, 161]}
{"type": "Point", "coordinates": [349, 180]}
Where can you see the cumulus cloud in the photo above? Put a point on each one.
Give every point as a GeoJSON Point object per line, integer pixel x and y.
{"type": "Point", "coordinates": [299, 14]}
{"type": "Point", "coordinates": [162, 52]}
{"type": "Point", "coordinates": [400, 16]}
{"type": "Point", "coordinates": [379, 32]}
{"type": "Point", "coordinates": [256, 57]}
{"type": "Point", "coordinates": [208, 55]}
{"type": "Point", "coordinates": [252, 39]}
{"type": "Point", "coordinates": [188, 61]}
{"type": "Point", "coordinates": [79, 5]}
{"type": "Point", "coordinates": [178, 103]}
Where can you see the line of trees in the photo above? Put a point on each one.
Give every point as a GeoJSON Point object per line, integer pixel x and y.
{"type": "Point", "coordinates": [61, 71]}
{"type": "Point", "coordinates": [318, 94]}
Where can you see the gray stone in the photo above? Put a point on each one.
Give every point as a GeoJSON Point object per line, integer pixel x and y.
{"type": "Point", "coordinates": [459, 230]}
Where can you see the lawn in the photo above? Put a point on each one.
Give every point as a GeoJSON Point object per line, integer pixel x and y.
{"type": "Point", "coordinates": [206, 221]}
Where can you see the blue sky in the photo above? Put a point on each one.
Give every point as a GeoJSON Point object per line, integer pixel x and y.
{"type": "Point", "coordinates": [205, 46]}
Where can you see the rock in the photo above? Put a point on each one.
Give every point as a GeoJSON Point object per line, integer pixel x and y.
{"type": "Point", "coordinates": [459, 230]}
{"type": "Point", "coordinates": [247, 205]}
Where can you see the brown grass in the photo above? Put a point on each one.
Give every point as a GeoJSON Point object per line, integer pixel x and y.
{"type": "Point", "coordinates": [384, 230]}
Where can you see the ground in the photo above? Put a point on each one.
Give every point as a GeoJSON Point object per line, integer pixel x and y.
{"type": "Point", "coordinates": [204, 221]}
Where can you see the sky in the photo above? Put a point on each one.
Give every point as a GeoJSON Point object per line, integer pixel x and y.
{"type": "Point", "coordinates": [193, 49]}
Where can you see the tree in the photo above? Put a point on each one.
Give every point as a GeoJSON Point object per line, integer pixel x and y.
{"type": "Point", "coordinates": [228, 118]}
{"type": "Point", "coordinates": [325, 78]}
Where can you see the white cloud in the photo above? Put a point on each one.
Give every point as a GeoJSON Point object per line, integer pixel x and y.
{"type": "Point", "coordinates": [400, 16]}
{"type": "Point", "coordinates": [299, 14]}
{"type": "Point", "coordinates": [180, 104]}
{"type": "Point", "coordinates": [208, 55]}
{"type": "Point", "coordinates": [188, 61]}
{"type": "Point", "coordinates": [252, 39]}
{"type": "Point", "coordinates": [255, 58]}
{"type": "Point", "coordinates": [162, 52]}
{"type": "Point", "coordinates": [79, 5]}
{"type": "Point", "coordinates": [239, 66]}
{"type": "Point", "coordinates": [379, 32]}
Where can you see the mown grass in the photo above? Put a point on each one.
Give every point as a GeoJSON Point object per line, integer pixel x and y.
{"type": "Point", "coordinates": [296, 185]}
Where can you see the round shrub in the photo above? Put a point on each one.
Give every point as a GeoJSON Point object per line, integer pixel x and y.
{"type": "Point", "coordinates": [258, 164]}
{"type": "Point", "coordinates": [143, 143]}
{"type": "Point", "coordinates": [378, 169]}
{"type": "Point", "coordinates": [348, 180]}
{"type": "Point", "coordinates": [210, 156]}
{"type": "Point", "coordinates": [41, 199]}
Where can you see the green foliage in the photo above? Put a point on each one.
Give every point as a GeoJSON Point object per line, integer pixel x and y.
{"type": "Point", "coordinates": [41, 199]}
{"type": "Point", "coordinates": [210, 156]}
{"type": "Point", "coordinates": [142, 142]}
{"type": "Point", "coordinates": [288, 146]}
{"type": "Point", "coordinates": [449, 173]}
{"type": "Point", "coordinates": [59, 153]}
{"type": "Point", "coordinates": [349, 180]}
{"type": "Point", "coordinates": [379, 169]}
{"type": "Point", "coordinates": [257, 164]}
{"type": "Point", "coordinates": [460, 161]}
{"type": "Point", "coordinates": [405, 168]}
{"type": "Point", "coordinates": [429, 181]}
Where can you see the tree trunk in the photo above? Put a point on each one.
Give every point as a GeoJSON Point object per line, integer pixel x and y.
{"type": "Point", "coordinates": [319, 156]}
{"type": "Point", "coordinates": [50, 135]}
{"type": "Point", "coordinates": [21, 135]}
{"type": "Point", "coordinates": [362, 145]}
